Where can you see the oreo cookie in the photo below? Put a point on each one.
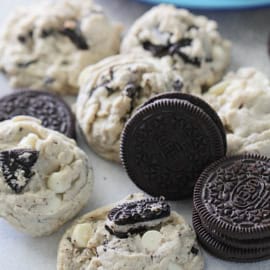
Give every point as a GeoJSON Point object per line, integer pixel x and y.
{"type": "Point", "coordinates": [53, 112]}
{"type": "Point", "coordinates": [197, 102]}
{"type": "Point", "coordinates": [15, 166]}
{"type": "Point", "coordinates": [136, 216]}
{"type": "Point", "coordinates": [224, 250]}
{"type": "Point", "coordinates": [168, 142]}
{"type": "Point", "coordinates": [232, 208]}
{"type": "Point", "coordinates": [232, 196]}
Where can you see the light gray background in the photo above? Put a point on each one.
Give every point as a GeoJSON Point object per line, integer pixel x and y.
{"type": "Point", "coordinates": [248, 31]}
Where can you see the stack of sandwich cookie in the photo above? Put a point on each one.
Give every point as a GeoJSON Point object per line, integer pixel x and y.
{"type": "Point", "coordinates": [168, 143]}
{"type": "Point", "coordinates": [231, 213]}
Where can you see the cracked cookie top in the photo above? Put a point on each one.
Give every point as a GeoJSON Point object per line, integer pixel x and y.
{"type": "Point", "coordinates": [112, 90]}
{"type": "Point", "coordinates": [192, 44]}
{"type": "Point", "coordinates": [242, 101]}
{"type": "Point", "coordinates": [47, 45]}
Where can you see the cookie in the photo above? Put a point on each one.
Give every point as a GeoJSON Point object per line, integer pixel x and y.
{"type": "Point", "coordinates": [237, 243]}
{"type": "Point", "coordinates": [191, 44]}
{"type": "Point", "coordinates": [166, 145]}
{"type": "Point", "coordinates": [89, 245]}
{"type": "Point", "coordinates": [136, 216]}
{"type": "Point", "coordinates": [243, 97]}
{"type": "Point", "coordinates": [53, 112]}
{"type": "Point", "coordinates": [45, 178]}
{"type": "Point", "coordinates": [46, 46]}
{"type": "Point", "coordinates": [232, 197]}
{"type": "Point", "coordinates": [110, 93]}
{"type": "Point", "coordinates": [223, 250]}
{"type": "Point", "coordinates": [197, 102]}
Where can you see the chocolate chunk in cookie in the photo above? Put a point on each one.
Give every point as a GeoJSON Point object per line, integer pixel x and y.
{"type": "Point", "coordinates": [168, 143]}
{"type": "Point", "coordinates": [16, 167]}
{"type": "Point", "coordinates": [53, 112]}
{"type": "Point", "coordinates": [136, 216]}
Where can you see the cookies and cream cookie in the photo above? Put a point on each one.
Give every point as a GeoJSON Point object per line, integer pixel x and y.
{"type": "Point", "coordinates": [192, 44]}
{"type": "Point", "coordinates": [136, 233]}
{"type": "Point", "coordinates": [45, 178]}
{"type": "Point", "coordinates": [242, 101]}
{"type": "Point", "coordinates": [47, 45]}
{"type": "Point", "coordinates": [111, 90]}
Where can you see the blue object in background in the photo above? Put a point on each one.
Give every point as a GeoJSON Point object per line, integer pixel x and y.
{"type": "Point", "coordinates": [214, 4]}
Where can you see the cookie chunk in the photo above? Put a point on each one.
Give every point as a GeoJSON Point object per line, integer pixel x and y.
{"type": "Point", "coordinates": [170, 244]}
{"type": "Point", "coordinates": [242, 101]}
{"type": "Point", "coordinates": [45, 179]}
{"type": "Point", "coordinates": [191, 44]}
{"type": "Point", "coordinates": [112, 90]}
{"type": "Point", "coordinates": [47, 45]}
{"type": "Point", "coordinates": [53, 111]}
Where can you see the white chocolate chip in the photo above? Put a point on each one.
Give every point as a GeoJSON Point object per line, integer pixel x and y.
{"type": "Point", "coordinates": [82, 234]}
{"type": "Point", "coordinates": [174, 266]}
{"type": "Point", "coordinates": [151, 240]}
{"type": "Point", "coordinates": [60, 181]}
{"type": "Point", "coordinates": [29, 141]}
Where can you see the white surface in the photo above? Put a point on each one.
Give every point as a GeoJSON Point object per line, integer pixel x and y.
{"type": "Point", "coordinates": [248, 31]}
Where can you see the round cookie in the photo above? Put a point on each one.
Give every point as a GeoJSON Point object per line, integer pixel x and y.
{"type": "Point", "coordinates": [191, 44]}
{"type": "Point", "coordinates": [45, 178]}
{"type": "Point", "coordinates": [224, 250]}
{"type": "Point", "coordinates": [197, 102]}
{"type": "Point", "coordinates": [167, 144]}
{"type": "Point", "coordinates": [110, 93]}
{"type": "Point", "coordinates": [243, 97]}
{"type": "Point", "coordinates": [53, 112]}
{"type": "Point", "coordinates": [47, 45]}
{"type": "Point", "coordinates": [232, 197]}
{"type": "Point", "coordinates": [169, 245]}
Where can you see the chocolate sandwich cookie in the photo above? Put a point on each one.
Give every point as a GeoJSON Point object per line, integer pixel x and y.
{"type": "Point", "coordinates": [197, 102]}
{"type": "Point", "coordinates": [168, 143]}
{"type": "Point", "coordinates": [224, 250]}
{"type": "Point", "coordinates": [137, 216]}
{"type": "Point", "coordinates": [232, 197]}
{"type": "Point", "coordinates": [53, 111]}
{"type": "Point", "coordinates": [16, 165]}
{"type": "Point", "coordinates": [237, 243]}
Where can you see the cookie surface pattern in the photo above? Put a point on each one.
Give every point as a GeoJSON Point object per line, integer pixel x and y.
{"type": "Point", "coordinates": [53, 112]}
{"type": "Point", "coordinates": [87, 244]}
{"type": "Point", "coordinates": [47, 45]}
{"type": "Point", "coordinates": [45, 179]}
{"type": "Point", "coordinates": [232, 196]}
{"type": "Point", "coordinates": [191, 44]}
{"type": "Point", "coordinates": [110, 93]}
{"type": "Point", "coordinates": [167, 144]}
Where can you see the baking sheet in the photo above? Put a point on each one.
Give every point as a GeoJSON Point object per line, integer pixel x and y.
{"type": "Point", "coordinates": [248, 31]}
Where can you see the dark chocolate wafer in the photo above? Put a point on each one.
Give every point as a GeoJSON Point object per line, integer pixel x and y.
{"type": "Point", "coordinates": [166, 145]}
{"type": "Point", "coordinates": [223, 250]}
{"type": "Point", "coordinates": [53, 112]}
{"type": "Point", "coordinates": [232, 196]}
{"type": "Point", "coordinates": [197, 102]}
